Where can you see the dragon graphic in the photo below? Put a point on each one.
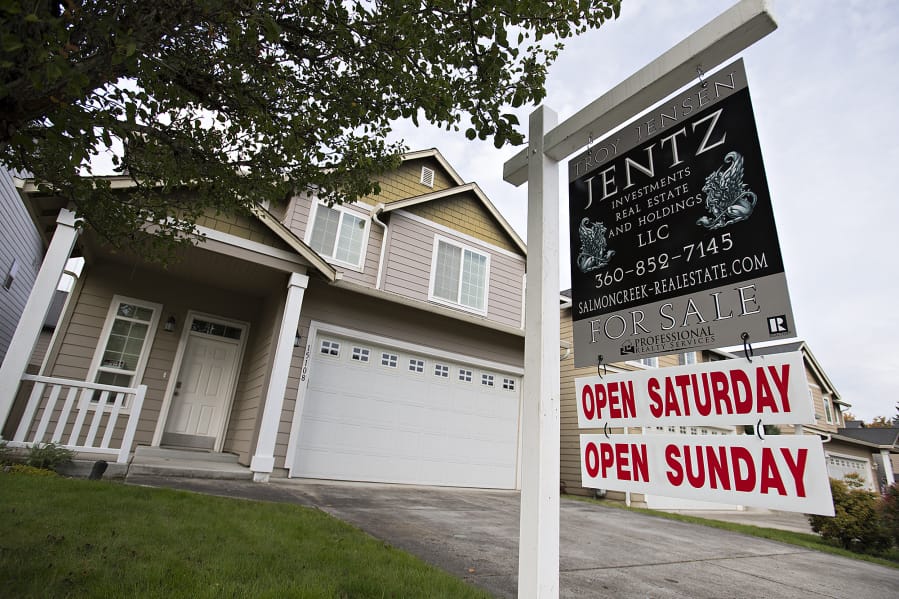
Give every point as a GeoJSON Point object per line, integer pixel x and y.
{"type": "Point", "coordinates": [594, 253]}
{"type": "Point", "coordinates": [727, 198]}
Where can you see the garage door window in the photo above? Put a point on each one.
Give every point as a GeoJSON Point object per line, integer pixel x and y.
{"type": "Point", "coordinates": [487, 379]}
{"type": "Point", "coordinates": [416, 365]}
{"type": "Point", "coordinates": [330, 348]}
{"type": "Point", "coordinates": [441, 370]}
{"type": "Point", "coordinates": [464, 375]}
{"type": "Point", "coordinates": [361, 354]}
{"type": "Point", "coordinates": [509, 384]}
{"type": "Point", "coordinates": [389, 360]}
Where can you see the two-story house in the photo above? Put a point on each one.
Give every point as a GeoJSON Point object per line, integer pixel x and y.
{"type": "Point", "coordinates": [376, 341]}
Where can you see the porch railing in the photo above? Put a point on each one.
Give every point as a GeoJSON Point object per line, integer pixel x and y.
{"type": "Point", "coordinates": [80, 416]}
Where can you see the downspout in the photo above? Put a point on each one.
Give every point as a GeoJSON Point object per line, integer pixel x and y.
{"type": "Point", "coordinates": [374, 217]}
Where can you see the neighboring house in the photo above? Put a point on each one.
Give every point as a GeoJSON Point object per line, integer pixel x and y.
{"type": "Point", "coordinates": [378, 341]}
{"type": "Point", "coordinates": [844, 454]}
{"type": "Point", "coordinates": [884, 444]}
{"type": "Point", "coordinates": [21, 251]}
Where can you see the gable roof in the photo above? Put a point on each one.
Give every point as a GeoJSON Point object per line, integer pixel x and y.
{"type": "Point", "coordinates": [436, 155]}
{"type": "Point", "coordinates": [472, 188]}
{"type": "Point", "coordinates": [810, 360]}
{"type": "Point", "coordinates": [286, 235]}
{"type": "Point", "coordinates": [881, 436]}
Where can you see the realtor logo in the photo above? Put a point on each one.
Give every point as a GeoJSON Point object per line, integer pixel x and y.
{"type": "Point", "coordinates": [627, 349]}
{"type": "Point", "coordinates": [777, 325]}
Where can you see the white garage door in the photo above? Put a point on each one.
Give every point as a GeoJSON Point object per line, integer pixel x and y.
{"type": "Point", "coordinates": [375, 413]}
{"type": "Point", "coordinates": [839, 466]}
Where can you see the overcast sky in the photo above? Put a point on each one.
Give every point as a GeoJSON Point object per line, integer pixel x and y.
{"type": "Point", "coordinates": [825, 91]}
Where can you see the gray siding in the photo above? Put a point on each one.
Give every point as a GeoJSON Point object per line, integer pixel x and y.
{"type": "Point", "coordinates": [19, 240]}
{"type": "Point", "coordinates": [408, 268]}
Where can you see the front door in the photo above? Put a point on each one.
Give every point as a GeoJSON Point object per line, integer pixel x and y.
{"type": "Point", "coordinates": [202, 392]}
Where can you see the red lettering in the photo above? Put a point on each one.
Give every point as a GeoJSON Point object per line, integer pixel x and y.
{"type": "Point", "coordinates": [720, 393]}
{"type": "Point", "coordinates": [738, 456]}
{"type": "Point", "coordinates": [683, 382]}
{"type": "Point", "coordinates": [627, 397]}
{"type": "Point", "coordinates": [770, 473]}
{"type": "Point", "coordinates": [606, 458]}
{"type": "Point", "coordinates": [655, 400]}
{"type": "Point", "coordinates": [674, 474]}
{"type": "Point", "coordinates": [641, 465]}
{"type": "Point", "coordinates": [601, 399]}
{"type": "Point", "coordinates": [742, 391]}
{"type": "Point", "coordinates": [763, 390]}
{"type": "Point", "coordinates": [797, 468]}
{"type": "Point", "coordinates": [671, 406]}
{"type": "Point", "coordinates": [614, 410]}
{"type": "Point", "coordinates": [588, 401]}
{"type": "Point", "coordinates": [695, 476]}
{"type": "Point", "coordinates": [591, 459]}
{"type": "Point", "coordinates": [782, 383]}
{"type": "Point", "coordinates": [716, 459]}
{"type": "Point", "coordinates": [703, 407]}
{"type": "Point", "coordinates": [621, 461]}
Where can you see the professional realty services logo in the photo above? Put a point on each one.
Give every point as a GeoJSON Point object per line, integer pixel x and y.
{"type": "Point", "coordinates": [673, 238]}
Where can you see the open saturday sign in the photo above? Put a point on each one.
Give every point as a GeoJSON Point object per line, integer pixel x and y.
{"type": "Point", "coordinates": [780, 472]}
{"type": "Point", "coordinates": [772, 389]}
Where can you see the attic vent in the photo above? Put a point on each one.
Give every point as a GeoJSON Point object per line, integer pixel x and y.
{"type": "Point", "coordinates": [427, 176]}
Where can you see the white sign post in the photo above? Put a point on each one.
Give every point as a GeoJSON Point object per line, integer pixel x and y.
{"type": "Point", "coordinates": [734, 30]}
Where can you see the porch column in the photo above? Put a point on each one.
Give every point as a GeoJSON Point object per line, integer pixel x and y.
{"type": "Point", "coordinates": [36, 308]}
{"type": "Point", "coordinates": [887, 466]}
{"type": "Point", "coordinates": [263, 461]}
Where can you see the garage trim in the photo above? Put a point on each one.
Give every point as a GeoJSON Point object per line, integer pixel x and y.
{"type": "Point", "coordinates": [317, 327]}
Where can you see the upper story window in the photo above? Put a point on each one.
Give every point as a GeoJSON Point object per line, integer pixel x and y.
{"type": "Point", "coordinates": [459, 275]}
{"type": "Point", "coordinates": [338, 235]}
{"type": "Point", "coordinates": [652, 362]}
{"type": "Point", "coordinates": [687, 358]}
{"type": "Point", "coordinates": [828, 410]}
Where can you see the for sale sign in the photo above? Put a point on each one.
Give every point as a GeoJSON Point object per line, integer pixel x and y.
{"type": "Point", "coordinates": [780, 472]}
{"type": "Point", "coordinates": [673, 241]}
{"type": "Point", "coordinates": [772, 389]}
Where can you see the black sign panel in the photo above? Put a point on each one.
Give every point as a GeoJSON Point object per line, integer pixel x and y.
{"type": "Point", "coordinates": [673, 241]}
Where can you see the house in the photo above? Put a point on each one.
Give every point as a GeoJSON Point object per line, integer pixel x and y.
{"type": "Point", "coordinates": [884, 444]}
{"type": "Point", "coordinates": [844, 452]}
{"type": "Point", "coordinates": [21, 250]}
{"type": "Point", "coordinates": [377, 341]}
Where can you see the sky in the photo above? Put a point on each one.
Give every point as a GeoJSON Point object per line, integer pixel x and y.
{"type": "Point", "coordinates": [825, 92]}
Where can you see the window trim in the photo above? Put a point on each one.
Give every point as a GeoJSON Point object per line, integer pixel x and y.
{"type": "Point", "coordinates": [433, 275]}
{"type": "Point", "coordinates": [343, 210]}
{"type": "Point", "coordinates": [103, 340]}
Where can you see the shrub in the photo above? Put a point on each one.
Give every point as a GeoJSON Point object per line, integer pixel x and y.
{"type": "Point", "coordinates": [856, 524]}
{"type": "Point", "coordinates": [889, 511]}
{"type": "Point", "coordinates": [48, 456]}
{"type": "Point", "coordinates": [29, 470]}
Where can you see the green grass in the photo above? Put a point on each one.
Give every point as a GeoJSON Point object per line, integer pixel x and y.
{"type": "Point", "coordinates": [76, 538]}
{"type": "Point", "coordinates": [806, 540]}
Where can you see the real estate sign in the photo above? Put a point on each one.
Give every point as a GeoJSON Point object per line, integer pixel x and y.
{"type": "Point", "coordinates": [780, 472]}
{"type": "Point", "coordinates": [673, 241]}
{"type": "Point", "coordinates": [772, 389]}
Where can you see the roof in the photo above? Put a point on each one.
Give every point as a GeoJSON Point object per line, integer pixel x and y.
{"type": "Point", "coordinates": [883, 436]}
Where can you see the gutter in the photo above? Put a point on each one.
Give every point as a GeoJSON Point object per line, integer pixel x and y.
{"type": "Point", "coordinates": [374, 217]}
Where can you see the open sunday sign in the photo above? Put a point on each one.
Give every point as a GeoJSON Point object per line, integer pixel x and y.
{"type": "Point", "coordinates": [772, 389]}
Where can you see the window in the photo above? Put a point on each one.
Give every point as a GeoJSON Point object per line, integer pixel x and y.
{"type": "Point", "coordinates": [330, 348]}
{"type": "Point", "coordinates": [389, 360]}
{"type": "Point", "coordinates": [127, 337]}
{"type": "Point", "coordinates": [487, 379]}
{"type": "Point", "coordinates": [416, 365]}
{"type": "Point", "coordinates": [214, 328]}
{"type": "Point", "coordinates": [338, 234]}
{"type": "Point", "coordinates": [361, 354]}
{"type": "Point", "coordinates": [687, 358]}
{"type": "Point", "coordinates": [441, 370]}
{"type": "Point", "coordinates": [509, 384]}
{"type": "Point", "coordinates": [464, 375]}
{"type": "Point", "coordinates": [459, 276]}
{"type": "Point", "coordinates": [650, 362]}
{"type": "Point", "coordinates": [828, 410]}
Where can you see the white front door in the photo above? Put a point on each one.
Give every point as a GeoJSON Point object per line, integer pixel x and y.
{"type": "Point", "coordinates": [202, 392]}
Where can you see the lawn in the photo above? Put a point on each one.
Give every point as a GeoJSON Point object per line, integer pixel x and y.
{"type": "Point", "coordinates": [76, 538]}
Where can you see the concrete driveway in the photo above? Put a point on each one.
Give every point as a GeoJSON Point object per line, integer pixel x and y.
{"type": "Point", "coordinates": [605, 552]}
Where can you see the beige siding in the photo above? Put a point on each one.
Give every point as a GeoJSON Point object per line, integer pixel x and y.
{"type": "Point", "coordinates": [245, 227]}
{"type": "Point", "coordinates": [466, 213]}
{"type": "Point", "coordinates": [405, 182]}
{"type": "Point", "coordinates": [408, 269]}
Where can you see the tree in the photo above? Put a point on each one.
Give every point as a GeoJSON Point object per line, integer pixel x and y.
{"type": "Point", "coordinates": [856, 523]}
{"type": "Point", "coordinates": [247, 101]}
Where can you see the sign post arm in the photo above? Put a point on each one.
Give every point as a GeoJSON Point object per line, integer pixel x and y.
{"type": "Point", "coordinates": [538, 555]}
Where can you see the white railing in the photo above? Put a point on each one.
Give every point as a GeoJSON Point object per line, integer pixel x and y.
{"type": "Point", "coordinates": [78, 427]}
